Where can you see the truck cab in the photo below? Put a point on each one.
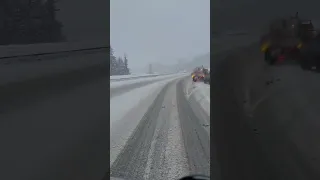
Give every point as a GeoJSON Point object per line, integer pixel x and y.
{"type": "Point", "coordinates": [285, 37]}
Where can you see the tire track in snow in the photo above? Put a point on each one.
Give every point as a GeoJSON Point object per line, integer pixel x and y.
{"type": "Point", "coordinates": [132, 161]}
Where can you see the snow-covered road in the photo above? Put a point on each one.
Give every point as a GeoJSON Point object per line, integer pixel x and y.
{"type": "Point", "coordinates": [56, 129]}
{"type": "Point", "coordinates": [160, 130]}
{"type": "Point", "coordinates": [118, 88]}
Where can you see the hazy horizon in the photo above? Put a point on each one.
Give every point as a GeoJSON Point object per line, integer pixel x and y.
{"type": "Point", "coordinates": [151, 31]}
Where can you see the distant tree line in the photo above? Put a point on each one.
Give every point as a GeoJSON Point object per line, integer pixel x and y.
{"type": "Point", "coordinates": [118, 66]}
{"type": "Point", "coordinates": [29, 21]}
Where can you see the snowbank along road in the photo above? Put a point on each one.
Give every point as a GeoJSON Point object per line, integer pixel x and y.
{"type": "Point", "coordinates": [130, 77]}
{"type": "Point", "coordinates": [266, 118]}
{"type": "Point", "coordinates": [159, 132]}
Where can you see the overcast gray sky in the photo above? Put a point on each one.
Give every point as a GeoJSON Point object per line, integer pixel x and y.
{"type": "Point", "coordinates": [159, 30]}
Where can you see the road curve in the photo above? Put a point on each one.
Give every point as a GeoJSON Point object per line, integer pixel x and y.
{"type": "Point", "coordinates": [169, 142]}
{"type": "Point", "coordinates": [195, 131]}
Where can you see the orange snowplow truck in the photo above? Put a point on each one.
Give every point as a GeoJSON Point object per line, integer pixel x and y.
{"type": "Point", "coordinates": [284, 39]}
{"type": "Point", "coordinates": [197, 74]}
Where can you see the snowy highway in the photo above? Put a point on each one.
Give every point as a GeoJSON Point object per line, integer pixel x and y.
{"type": "Point", "coordinates": [57, 129]}
{"type": "Point", "coordinates": [160, 129]}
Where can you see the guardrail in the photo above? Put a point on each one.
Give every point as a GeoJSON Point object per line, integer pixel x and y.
{"type": "Point", "coordinates": [14, 50]}
{"type": "Point", "coordinates": [21, 63]}
{"type": "Point", "coordinates": [56, 52]}
{"type": "Point", "coordinates": [36, 52]}
{"type": "Point", "coordinates": [27, 74]}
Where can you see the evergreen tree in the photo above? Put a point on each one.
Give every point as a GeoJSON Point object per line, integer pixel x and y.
{"type": "Point", "coordinates": [118, 66]}
{"type": "Point", "coordinates": [3, 17]}
{"type": "Point", "coordinates": [127, 70]}
{"type": "Point", "coordinates": [113, 63]}
{"type": "Point", "coordinates": [26, 22]}
{"type": "Point", "coordinates": [121, 67]}
{"type": "Point", "coordinates": [52, 26]}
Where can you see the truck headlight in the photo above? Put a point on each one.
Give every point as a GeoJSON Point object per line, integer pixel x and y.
{"type": "Point", "coordinates": [264, 47]}
{"type": "Point", "coordinates": [299, 46]}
